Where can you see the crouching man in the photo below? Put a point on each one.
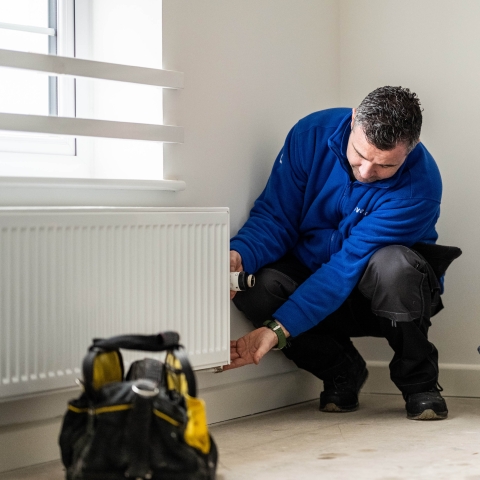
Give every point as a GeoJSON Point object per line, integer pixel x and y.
{"type": "Point", "coordinates": [342, 241]}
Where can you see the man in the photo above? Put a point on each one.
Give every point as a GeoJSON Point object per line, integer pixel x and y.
{"type": "Point", "coordinates": [338, 241]}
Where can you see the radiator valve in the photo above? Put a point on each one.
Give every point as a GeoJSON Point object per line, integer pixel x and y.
{"type": "Point", "coordinates": [240, 281]}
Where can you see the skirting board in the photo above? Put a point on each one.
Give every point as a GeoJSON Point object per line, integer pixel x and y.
{"type": "Point", "coordinates": [240, 399]}
{"type": "Point", "coordinates": [457, 380]}
{"type": "Point", "coordinates": [29, 444]}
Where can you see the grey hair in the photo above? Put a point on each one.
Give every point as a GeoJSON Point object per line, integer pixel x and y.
{"type": "Point", "coordinates": [390, 116]}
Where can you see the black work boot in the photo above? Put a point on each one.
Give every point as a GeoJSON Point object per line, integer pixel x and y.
{"type": "Point", "coordinates": [426, 405]}
{"type": "Point", "coordinates": [340, 393]}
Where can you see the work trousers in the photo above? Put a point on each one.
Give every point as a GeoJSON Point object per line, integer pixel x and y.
{"type": "Point", "coordinates": [394, 299]}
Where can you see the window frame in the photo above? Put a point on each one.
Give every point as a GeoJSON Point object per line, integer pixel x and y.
{"type": "Point", "coordinates": [86, 127]}
{"type": "Point", "coordinates": [61, 40]}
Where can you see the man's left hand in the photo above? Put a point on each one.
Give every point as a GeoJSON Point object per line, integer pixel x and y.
{"type": "Point", "coordinates": [251, 348]}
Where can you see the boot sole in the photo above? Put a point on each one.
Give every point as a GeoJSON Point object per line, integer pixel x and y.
{"type": "Point", "coordinates": [428, 414]}
{"type": "Point", "coordinates": [334, 408]}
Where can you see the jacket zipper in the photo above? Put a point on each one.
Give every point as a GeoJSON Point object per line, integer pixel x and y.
{"type": "Point", "coordinates": [339, 211]}
{"type": "Point", "coordinates": [332, 242]}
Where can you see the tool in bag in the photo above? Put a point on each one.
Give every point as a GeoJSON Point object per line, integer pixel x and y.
{"type": "Point", "coordinates": [147, 425]}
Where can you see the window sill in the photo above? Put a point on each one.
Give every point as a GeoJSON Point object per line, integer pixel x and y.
{"type": "Point", "coordinates": [90, 183]}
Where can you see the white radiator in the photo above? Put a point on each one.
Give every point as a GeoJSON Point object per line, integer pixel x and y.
{"type": "Point", "coordinates": [71, 274]}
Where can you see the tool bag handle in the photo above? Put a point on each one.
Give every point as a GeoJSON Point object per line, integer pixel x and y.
{"type": "Point", "coordinates": [166, 341]}
{"type": "Point", "coordinates": [186, 370]}
{"type": "Point", "coordinates": [147, 343]}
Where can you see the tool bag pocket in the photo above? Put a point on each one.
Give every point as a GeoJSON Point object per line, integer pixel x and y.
{"type": "Point", "coordinates": [147, 424]}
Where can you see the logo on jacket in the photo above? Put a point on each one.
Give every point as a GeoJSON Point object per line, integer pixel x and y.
{"type": "Point", "coordinates": [361, 211]}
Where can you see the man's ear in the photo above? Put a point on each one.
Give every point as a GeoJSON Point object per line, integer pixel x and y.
{"type": "Point", "coordinates": [354, 112]}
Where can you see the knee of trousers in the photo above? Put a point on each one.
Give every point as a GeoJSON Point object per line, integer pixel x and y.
{"type": "Point", "coordinates": [272, 289]}
{"type": "Point", "coordinates": [394, 282]}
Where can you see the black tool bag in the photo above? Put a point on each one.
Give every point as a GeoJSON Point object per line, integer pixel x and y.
{"type": "Point", "coordinates": [148, 424]}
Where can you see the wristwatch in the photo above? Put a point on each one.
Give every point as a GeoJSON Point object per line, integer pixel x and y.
{"type": "Point", "coordinates": [277, 329]}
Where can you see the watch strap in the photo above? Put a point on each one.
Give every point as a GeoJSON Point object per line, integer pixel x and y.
{"type": "Point", "coordinates": [277, 329]}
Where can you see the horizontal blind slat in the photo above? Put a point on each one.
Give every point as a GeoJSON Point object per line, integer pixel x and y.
{"type": "Point", "coordinates": [28, 28]}
{"type": "Point", "coordinates": [81, 127]}
{"type": "Point", "coordinates": [77, 67]}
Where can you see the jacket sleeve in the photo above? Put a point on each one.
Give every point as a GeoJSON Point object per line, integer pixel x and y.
{"type": "Point", "coordinates": [273, 225]}
{"type": "Point", "coordinates": [395, 222]}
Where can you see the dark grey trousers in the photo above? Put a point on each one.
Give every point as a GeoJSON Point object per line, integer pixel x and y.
{"type": "Point", "coordinates": [395, 299]}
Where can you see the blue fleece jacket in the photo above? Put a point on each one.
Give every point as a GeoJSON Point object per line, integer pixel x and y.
{"type": "Point", "coordinates": [310, 206]}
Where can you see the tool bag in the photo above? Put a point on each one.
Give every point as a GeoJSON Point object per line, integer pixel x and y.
{"type": "Point", "coordinates": [148, 424]}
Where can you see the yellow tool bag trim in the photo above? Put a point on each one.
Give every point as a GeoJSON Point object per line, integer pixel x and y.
{"type": "Point", "coordinates": [99, 411]}
{"type": "Point", "coordinates": [175, 378]}
{"type": "Point", "coordinates": [107, 368]}
{"type": "Point", "coordinates": [168, 419]}
{"type": "Point", "coordinates": [77, 410]}
{"type": "Point", "coordinates": [196, 432]}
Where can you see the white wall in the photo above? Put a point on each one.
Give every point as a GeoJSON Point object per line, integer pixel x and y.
{"type": "Point", "coordinates": [432, 47]}
{"type": "Point", "coordinates": [252, 69]}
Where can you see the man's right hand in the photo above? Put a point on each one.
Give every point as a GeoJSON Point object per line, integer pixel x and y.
{"type": "Point", "coordinates": [251, 348]}
{"type": "Point", "coordinates": [235, 266]}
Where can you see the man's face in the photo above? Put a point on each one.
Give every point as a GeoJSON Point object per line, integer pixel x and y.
{"type": "Point", "coordinates": [369, 164]}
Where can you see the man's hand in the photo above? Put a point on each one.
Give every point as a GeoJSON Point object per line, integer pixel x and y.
{"type": "Point", "coordinates": [235, 266]}
{"type": "Point", "coordinates": [251, 348]}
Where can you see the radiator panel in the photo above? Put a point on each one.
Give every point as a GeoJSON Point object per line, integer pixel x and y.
{"type": "Point", "coordinates": [69, 275]}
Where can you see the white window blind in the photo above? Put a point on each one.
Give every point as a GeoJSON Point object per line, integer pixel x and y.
{"type": "Point", "coordinates": [90, 69]}
{"type": "Point", "coordinates": [41, 127]}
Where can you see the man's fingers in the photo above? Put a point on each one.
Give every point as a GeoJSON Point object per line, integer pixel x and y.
{"type": "Point", "coordinates": [234, 356]}
{"type": "Point", "coordinates": [235, 261]}
{"type": "Point", "coordinates": [228, 367]}
{"type": "Point", "coordinates": [233, 350]}
{"type": "Point", "coordinates": [239, 362]}
{"type": "Point", "coordinates": [235, 266]}
{"type": "Point", "coordinates": [251, 348]}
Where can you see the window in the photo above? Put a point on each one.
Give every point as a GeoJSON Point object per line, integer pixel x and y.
{"type": "Point", "coordinates": [38, 26]}
{"type": "Point", "coordinates": [124, 34]}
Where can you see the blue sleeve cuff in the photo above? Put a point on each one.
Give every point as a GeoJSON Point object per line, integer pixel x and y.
{"type": "Point", "coordinates": [248, 260]}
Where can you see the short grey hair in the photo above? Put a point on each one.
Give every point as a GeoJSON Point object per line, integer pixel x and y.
{"type": "Point", "coordinates": [390, 116]}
